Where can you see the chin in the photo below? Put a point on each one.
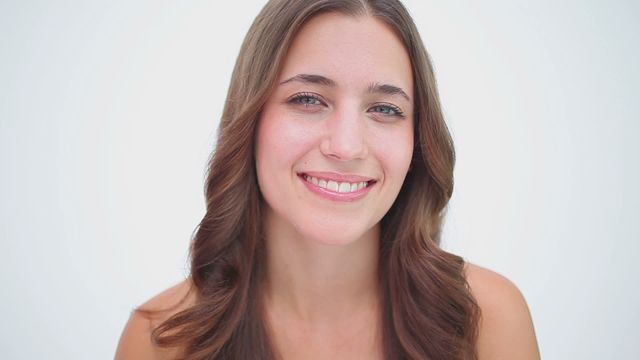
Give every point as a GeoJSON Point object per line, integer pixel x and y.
{"type": "Point", "coordinates": [338, 235]}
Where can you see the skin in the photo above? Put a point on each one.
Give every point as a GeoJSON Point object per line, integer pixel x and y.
{"type": "Point", "coordinates": [321, 286]}
{"type": "Point", "coordinates": [322, 254]}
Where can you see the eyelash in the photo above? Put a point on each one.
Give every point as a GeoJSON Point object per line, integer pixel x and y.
{"type": "Point", "coordinates": [389, 107]}
{"type": "Point", "coordinates": [296, 99]}
{"type": "Point", "coordinates": [383, 108]}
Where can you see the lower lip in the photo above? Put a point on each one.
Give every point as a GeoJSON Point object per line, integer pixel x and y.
{"type": "Point", "coordinates": [337, 196]}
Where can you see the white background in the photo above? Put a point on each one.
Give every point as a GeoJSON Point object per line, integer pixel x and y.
{"type": "Point", "coordinates": [108, 112]}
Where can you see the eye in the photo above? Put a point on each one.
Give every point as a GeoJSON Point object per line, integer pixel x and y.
{"type": "Point", "coordinates": [387, 110]}
{"type": "Point", "coordinates": [305, 99]}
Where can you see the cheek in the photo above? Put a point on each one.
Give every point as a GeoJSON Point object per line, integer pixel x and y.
{"type": "Point", "coordinates": [281, 142]}
{"type": "Point", "coordinates": [395, 150]}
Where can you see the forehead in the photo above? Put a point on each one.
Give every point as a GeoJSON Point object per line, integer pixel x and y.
{"type": "Point", "coordinates": [352, 51]}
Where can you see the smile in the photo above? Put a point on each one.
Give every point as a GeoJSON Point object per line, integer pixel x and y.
{"type": "Point", "coordinates": [337, 187]}
{"type": "Point", "coordinates": [340, 187]}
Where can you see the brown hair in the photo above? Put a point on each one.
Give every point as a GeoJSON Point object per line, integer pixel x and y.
{"type": "Point", "coordinates": [428, 311]}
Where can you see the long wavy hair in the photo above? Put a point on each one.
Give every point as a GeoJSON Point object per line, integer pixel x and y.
{"type": "Point", "coordinates": [428, 309]}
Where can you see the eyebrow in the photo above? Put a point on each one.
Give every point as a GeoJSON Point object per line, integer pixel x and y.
{"type": "Point", "coordinates": [388, 90]}
{"type": "Point", "coordinates": [374, 88]}
{"type": "Point", "coordinates": [311, 79]}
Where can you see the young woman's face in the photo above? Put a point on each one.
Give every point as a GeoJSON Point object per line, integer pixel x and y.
{"type": "Point", "coordinates": [335, 138]}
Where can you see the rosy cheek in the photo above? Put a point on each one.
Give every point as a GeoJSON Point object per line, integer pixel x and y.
{"type": "Point", "coordinates": [395, 146]}
{"type": "Point", "coordinates": [285, 137]}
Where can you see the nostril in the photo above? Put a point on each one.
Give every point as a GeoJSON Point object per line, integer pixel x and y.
{"type": "Point", "coordinates": [344, 149]}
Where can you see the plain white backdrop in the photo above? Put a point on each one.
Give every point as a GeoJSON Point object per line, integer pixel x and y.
{"type": "Point", "coordinates": [109, 110]}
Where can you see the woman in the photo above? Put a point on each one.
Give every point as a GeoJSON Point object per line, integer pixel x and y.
{"type": "Point", "coordinates": [325, 197]}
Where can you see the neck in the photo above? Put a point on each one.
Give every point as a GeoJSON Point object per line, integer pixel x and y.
{"type": "Point", "coordinates": [318, 283]}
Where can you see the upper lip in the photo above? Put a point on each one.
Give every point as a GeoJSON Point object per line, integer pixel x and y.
{"type": "Point", "coordinates": [327, 175]}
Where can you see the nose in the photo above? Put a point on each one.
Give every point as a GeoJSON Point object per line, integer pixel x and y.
{"type": "Point", "coordinates": [345, 137]}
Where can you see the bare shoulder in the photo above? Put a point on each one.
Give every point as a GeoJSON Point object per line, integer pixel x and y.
{"type": "Point", "coordinates": [135, 341]}
{"type": "Point", "coordinates": [506, 329]}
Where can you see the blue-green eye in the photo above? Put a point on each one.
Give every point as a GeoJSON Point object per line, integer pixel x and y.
{"type": "Point", "coordinates": [387, 109]}
{"type": "Point", "coordinates": [305, 99]}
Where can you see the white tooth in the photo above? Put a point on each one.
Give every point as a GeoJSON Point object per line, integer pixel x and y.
{"type": "Point", "coordinates": [306, 177]}
{"type": "Point", "coordinates": [314, 181]}
{"type": "Point", "coordinates": [344, 187]}
{"type": "Point", "coordinates": [332, 185]}
{"type": "Point", "coordinates": [354, 187]}
{"type": "Point", "coordinates": [322, 183]}
{"type": "Point", "coordinates": [360, 185]}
